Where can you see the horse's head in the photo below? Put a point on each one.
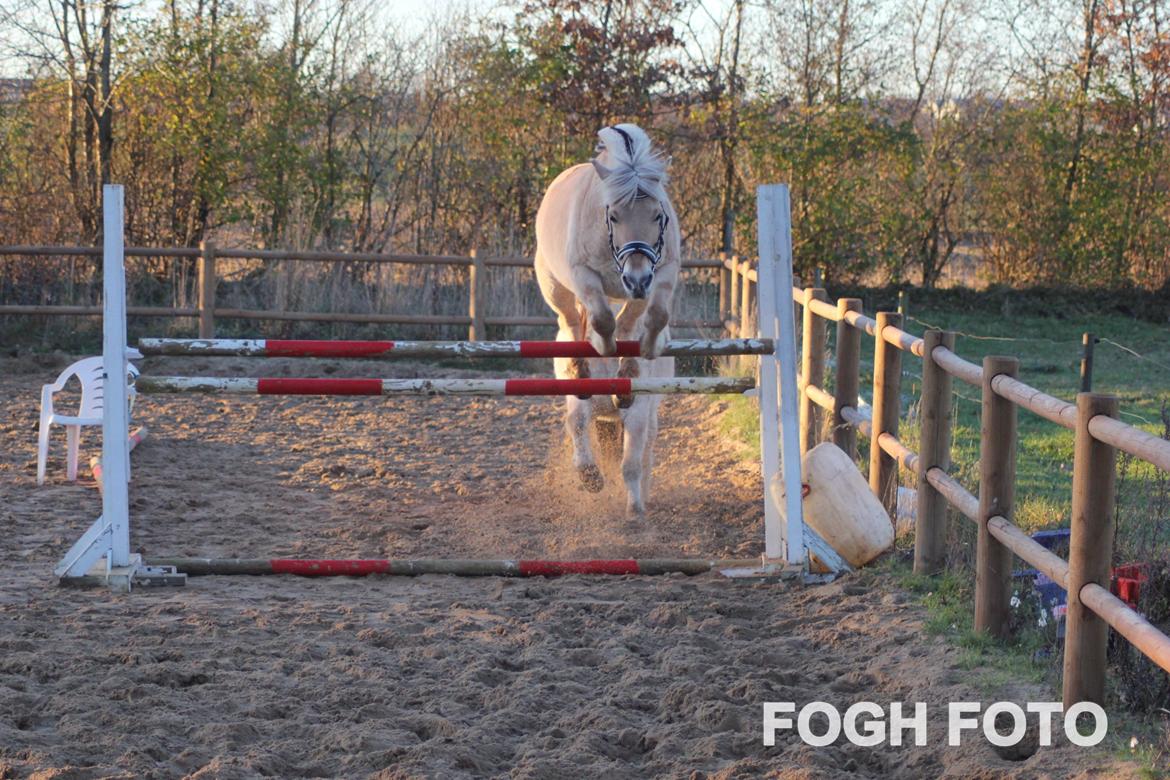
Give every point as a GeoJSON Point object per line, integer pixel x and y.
{"type": "Point", "coordinates": [636, 215]}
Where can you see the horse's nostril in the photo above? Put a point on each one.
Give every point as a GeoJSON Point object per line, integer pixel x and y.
{"type": "Point", "coordinates": [629, 282]}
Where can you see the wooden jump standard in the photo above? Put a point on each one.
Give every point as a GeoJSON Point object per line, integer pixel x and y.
{"type": "Point", "coordinates": [436, 349]}
{"type": "Point", "coordinates": [513, 387]}
{"type": "Point", "coordinates": [463, 568]}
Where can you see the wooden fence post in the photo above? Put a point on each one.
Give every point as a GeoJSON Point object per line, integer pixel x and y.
{"type": "Point", "coordinates": [1087, 342]}
{"type": "Point", "coordinates": [812, 369]}
{"type": "Point", "coordinates": [206, 290]}
{"type": "Point", "coordinates": [724, 282]}
{"type": "Point", "coordinates": [476, 298]}
{"type": "Point", "coordinates": [847, 380]}
{"type": "Point", "coordinates": [934, 451]}
{"type": "Point", "coordinates": [746, 321]}
{"type": "Point", "coordinates": [798, 316]}
{"type": "Point", "coordinates": [997, 488]}
{"type": "Point", "coordinates": [1090, 552]}
{"type": "Point", "coordinates": [734, 315]}
{"type": "Point", "coordinates": [887, 386]}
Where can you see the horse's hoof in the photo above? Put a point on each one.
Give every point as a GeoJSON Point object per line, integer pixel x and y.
{"type": "Point", "coordinates": [591, 478]}
{"type": "Point", "coordinates": [606, 346]}
{"type": "Point", "coordinates": [635, 512]}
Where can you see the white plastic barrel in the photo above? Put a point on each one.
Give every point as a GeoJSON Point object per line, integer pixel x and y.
{"type": "Point", "coordinates": [841, 508]}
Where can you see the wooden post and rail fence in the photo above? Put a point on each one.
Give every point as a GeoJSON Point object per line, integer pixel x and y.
{"type": "Point", "coordinates": [477, 319]}
{"type": "Point", "coordinates": [1092, 609]}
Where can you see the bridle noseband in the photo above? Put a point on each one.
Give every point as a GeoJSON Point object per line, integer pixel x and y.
{"type": "Point", "coordinates": [654, 253]}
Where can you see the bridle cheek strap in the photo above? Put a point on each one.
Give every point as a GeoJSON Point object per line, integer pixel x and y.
{"type": "Point", "coordinates": [654, 253]}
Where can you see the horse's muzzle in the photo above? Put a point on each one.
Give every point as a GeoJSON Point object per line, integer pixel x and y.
{"type": "Point", "coordinates": [637, 286]}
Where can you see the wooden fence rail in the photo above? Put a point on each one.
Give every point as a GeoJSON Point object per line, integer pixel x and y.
{"type": "Point", "coordinates": [477, 320]}
{"type": "Point", "coordinates": [1099, 435]}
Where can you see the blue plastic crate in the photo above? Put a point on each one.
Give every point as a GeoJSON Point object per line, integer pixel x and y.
{"type": "Point", "coordinates": [1051, 594]}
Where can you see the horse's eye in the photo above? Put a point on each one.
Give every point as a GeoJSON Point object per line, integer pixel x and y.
{"type": "Point", "coordinates": [612, 219]}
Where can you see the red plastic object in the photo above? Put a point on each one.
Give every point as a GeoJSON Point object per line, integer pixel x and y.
{"type": "Point", "coordinates": [1127, 582]}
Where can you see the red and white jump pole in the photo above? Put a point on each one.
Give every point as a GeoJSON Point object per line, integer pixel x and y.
{"type": "Point", "coordinates": [438, 349]}
{"type": "Point", "coordinates": [482, 387]}
{"type": "Point", "coordinates": [463, 568]}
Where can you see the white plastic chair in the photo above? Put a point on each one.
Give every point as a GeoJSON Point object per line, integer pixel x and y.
{"type": "Point", "coordinates": [89, 372]}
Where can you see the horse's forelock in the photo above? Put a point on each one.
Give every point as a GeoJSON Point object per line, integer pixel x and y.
{"type": "Point", "coordinates": [636, 170]}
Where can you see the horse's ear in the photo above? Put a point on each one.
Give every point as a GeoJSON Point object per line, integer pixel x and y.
{"type": "Point", "coordinates": [602, 171]}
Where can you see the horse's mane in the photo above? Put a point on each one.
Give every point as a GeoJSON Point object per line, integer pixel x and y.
{"type": "Point", "coordinates": [636, 169]}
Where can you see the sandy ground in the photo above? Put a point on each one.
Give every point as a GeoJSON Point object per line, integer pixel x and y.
{"type": "Point", "coordinates": [434, 676]}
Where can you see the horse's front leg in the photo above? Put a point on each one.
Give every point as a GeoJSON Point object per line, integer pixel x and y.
{"type": "Point", "coordinates": [657, 318]}
{"type": "Point", "coordinates": [627, 323]}
{"type": "Point", "coordinates": [577, 416]}
{"type": "Point", "coordinates": [636, 438]}
{"type": "Point", "coordinates": [602, 323]}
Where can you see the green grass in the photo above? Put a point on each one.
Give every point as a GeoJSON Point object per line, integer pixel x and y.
{"type": "Point", "coordinates": [1030, 655]}
{"type": "Point", "coordinates": [1049, 350]}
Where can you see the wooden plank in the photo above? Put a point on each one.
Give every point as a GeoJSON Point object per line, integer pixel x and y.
{"type": "Point", "coordinates": [858, 320]}
{"type": "Point", "coordinates": [1132, 440]}
{"type": "Point", "coordinates": [901, 454]}
{"type": "Point", "coordinates": [822, 308]}
{"type": "Point", "coordinates": [957, 367]}
{"type": "Point", "coordinates": [1029, 550]}
{"type": "Point", "coordinates": [958, 496]}
{"type": "Point", "coordinates": [1050, 408]}
{"type": "Point", "coordinates": [820, 397]}
{"type": "Point", "coordinates": [91, 311]}
{"type": "Point", "coordinates": [1145, 637]}
{"type": "Point", "coordinates": [902, 340]}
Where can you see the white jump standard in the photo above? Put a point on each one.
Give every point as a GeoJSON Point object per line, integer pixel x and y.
{"type": "Point", "coordinates": [103, 552]}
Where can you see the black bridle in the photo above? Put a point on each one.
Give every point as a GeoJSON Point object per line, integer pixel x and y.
{"type": "Point", "coordinates": [653, 252]}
